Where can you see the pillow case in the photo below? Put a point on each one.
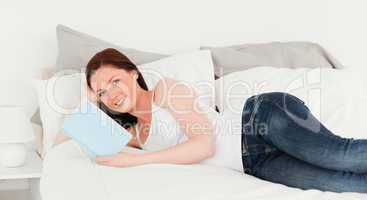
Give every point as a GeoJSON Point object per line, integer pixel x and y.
{"type": "Point", "coordinates": [277, 54]}
{"type": "Point", "coordinates": [62, 93]}
{"type": "Point", "coordinates": [233, 89]}
{"type": "Point", "coordinates": [57, 96]}
{"type": "Point", "coordinates": [195, 68]}
{"type": "Point", "coordinates": [336, 97]}
{"type": "Point", "coordinates": [76, 48]}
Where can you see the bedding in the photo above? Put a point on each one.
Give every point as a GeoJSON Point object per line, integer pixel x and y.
{"type": "Point", "coordinates": [76, 48]}
{"type": "Point", "coordinates": [336, 97]}
{"type": "Point", "coordinates": [343, 95]}
{"type": "Point", "coordinates": [69, 174]}
{"type": "Point", "coordinates": [294, 55]}
{"type": "Point", "coordinates": [57, 97]}
{"type": "Point", "coordinates": [63, 92]}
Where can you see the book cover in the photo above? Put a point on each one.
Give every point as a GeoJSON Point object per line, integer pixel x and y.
{"type": "Point", "coordinates": [95, 131]}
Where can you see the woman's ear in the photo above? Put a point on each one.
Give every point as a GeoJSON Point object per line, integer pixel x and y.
{"type": "Point", "coordinates": [134, 74]}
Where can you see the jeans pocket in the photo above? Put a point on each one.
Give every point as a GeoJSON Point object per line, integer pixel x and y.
{"type": "Point", "coordinates": [296, 99]}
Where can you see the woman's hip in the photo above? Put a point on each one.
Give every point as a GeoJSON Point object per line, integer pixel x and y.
{"type": "Point", "coordinates": [256, 114]}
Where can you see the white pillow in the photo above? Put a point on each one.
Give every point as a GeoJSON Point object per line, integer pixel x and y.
{"type": "Point", "coordinates": [57, 96]}
{"type": "Point", "coordinates": [61, 94]}
{"type": "Point", "coordinates": [337, 98]}
{"type": "Point", "coordinates": [195, 68]}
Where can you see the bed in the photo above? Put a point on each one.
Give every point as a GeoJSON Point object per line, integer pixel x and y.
{"type": "Point", "coordinates": [68, 173]}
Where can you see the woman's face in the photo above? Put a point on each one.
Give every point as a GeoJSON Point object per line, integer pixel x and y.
{"type": "Point", "coordinates": [116, 88]}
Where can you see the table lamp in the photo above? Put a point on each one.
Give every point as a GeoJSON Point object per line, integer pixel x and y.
{"type": "Point", "coordinates": [15, 131]}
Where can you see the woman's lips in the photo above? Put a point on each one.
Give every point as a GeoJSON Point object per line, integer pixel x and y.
{"type": "Point", "coordinates": [119, 102]}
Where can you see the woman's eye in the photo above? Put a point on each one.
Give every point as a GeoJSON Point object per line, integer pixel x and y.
{"type": "Point", "coordinates": [101, 94]}
{"type": "Point", "coordinates": [116, 81]}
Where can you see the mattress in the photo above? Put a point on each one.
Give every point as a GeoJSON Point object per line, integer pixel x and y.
{"type": "Point", "coordinates": [69, 174]}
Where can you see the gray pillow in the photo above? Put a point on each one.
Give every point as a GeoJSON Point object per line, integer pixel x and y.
{"type": "Point", "coordinates": [76, 49]}
{"type": "Point", "coordinates": [277, 54]}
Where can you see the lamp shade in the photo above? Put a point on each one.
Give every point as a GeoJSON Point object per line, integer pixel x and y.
{"type": "Point", "coordinates": [15, 125]}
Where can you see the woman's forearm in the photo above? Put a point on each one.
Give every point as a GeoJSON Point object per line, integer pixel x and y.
{"type": "Point", "coordinates": [189, 152]}
{"type": "Point", "coordinates": [60, 138]}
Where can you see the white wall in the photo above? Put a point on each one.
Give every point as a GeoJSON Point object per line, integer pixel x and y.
{"type": "Point", "coordinates": [347, 31]}
{"type": "Point", "coordinates": [28, 39]}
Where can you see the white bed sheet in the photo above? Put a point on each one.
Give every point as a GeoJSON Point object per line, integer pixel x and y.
{"type": "Point", "coordinates": [69, 174]}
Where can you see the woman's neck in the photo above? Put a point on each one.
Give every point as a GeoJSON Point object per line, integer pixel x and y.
{"type": "Point", "coordinates": [143, 107]}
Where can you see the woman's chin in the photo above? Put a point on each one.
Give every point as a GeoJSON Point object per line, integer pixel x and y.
{"type": "Point", "coordinates": [126, 107]}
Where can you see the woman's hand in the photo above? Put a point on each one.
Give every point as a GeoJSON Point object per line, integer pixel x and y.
{"type": "Point", "coordinates": [122, 159]}
{"type": "Point", "coordinates": [60, 138]}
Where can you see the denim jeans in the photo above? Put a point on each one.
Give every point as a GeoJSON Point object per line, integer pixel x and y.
{"type": "Point", "coordinates": [283, 142]}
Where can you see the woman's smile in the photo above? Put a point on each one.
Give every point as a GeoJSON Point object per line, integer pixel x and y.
{"type": "Point", "coordinates": [119, 102]}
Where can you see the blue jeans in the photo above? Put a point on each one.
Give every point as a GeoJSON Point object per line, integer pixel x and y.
{"type": "Point", "coordinates": [283, 142]}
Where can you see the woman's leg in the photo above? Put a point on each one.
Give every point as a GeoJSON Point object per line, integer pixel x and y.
{"type": "Point", "coordinates": [291, 128]}
{"type": "Point", "coordinates": [279, 167]}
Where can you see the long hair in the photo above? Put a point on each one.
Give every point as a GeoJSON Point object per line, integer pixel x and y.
{"type": "Point", "coordinates": [120, 61]}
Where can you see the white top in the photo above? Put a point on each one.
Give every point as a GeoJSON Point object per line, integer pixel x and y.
{"type": "Point", "coordinates": [165, 132]}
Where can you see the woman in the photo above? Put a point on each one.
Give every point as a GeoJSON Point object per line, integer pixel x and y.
{"type": "Point", "coordinates": [279, 139]}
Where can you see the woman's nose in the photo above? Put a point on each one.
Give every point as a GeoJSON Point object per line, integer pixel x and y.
{"type": "Point", "coordinates": [112, 96]}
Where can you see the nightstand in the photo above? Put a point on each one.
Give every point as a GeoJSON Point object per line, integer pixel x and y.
{"type": "Point", "coordinates": [22, 183]}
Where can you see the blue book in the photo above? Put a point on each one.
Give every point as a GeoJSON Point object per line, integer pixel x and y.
{"type": "Point", "coordinates": [95, 131]}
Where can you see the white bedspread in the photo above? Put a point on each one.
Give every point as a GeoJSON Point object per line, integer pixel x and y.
{"type": "Point", "coordinates": [69, 174]}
